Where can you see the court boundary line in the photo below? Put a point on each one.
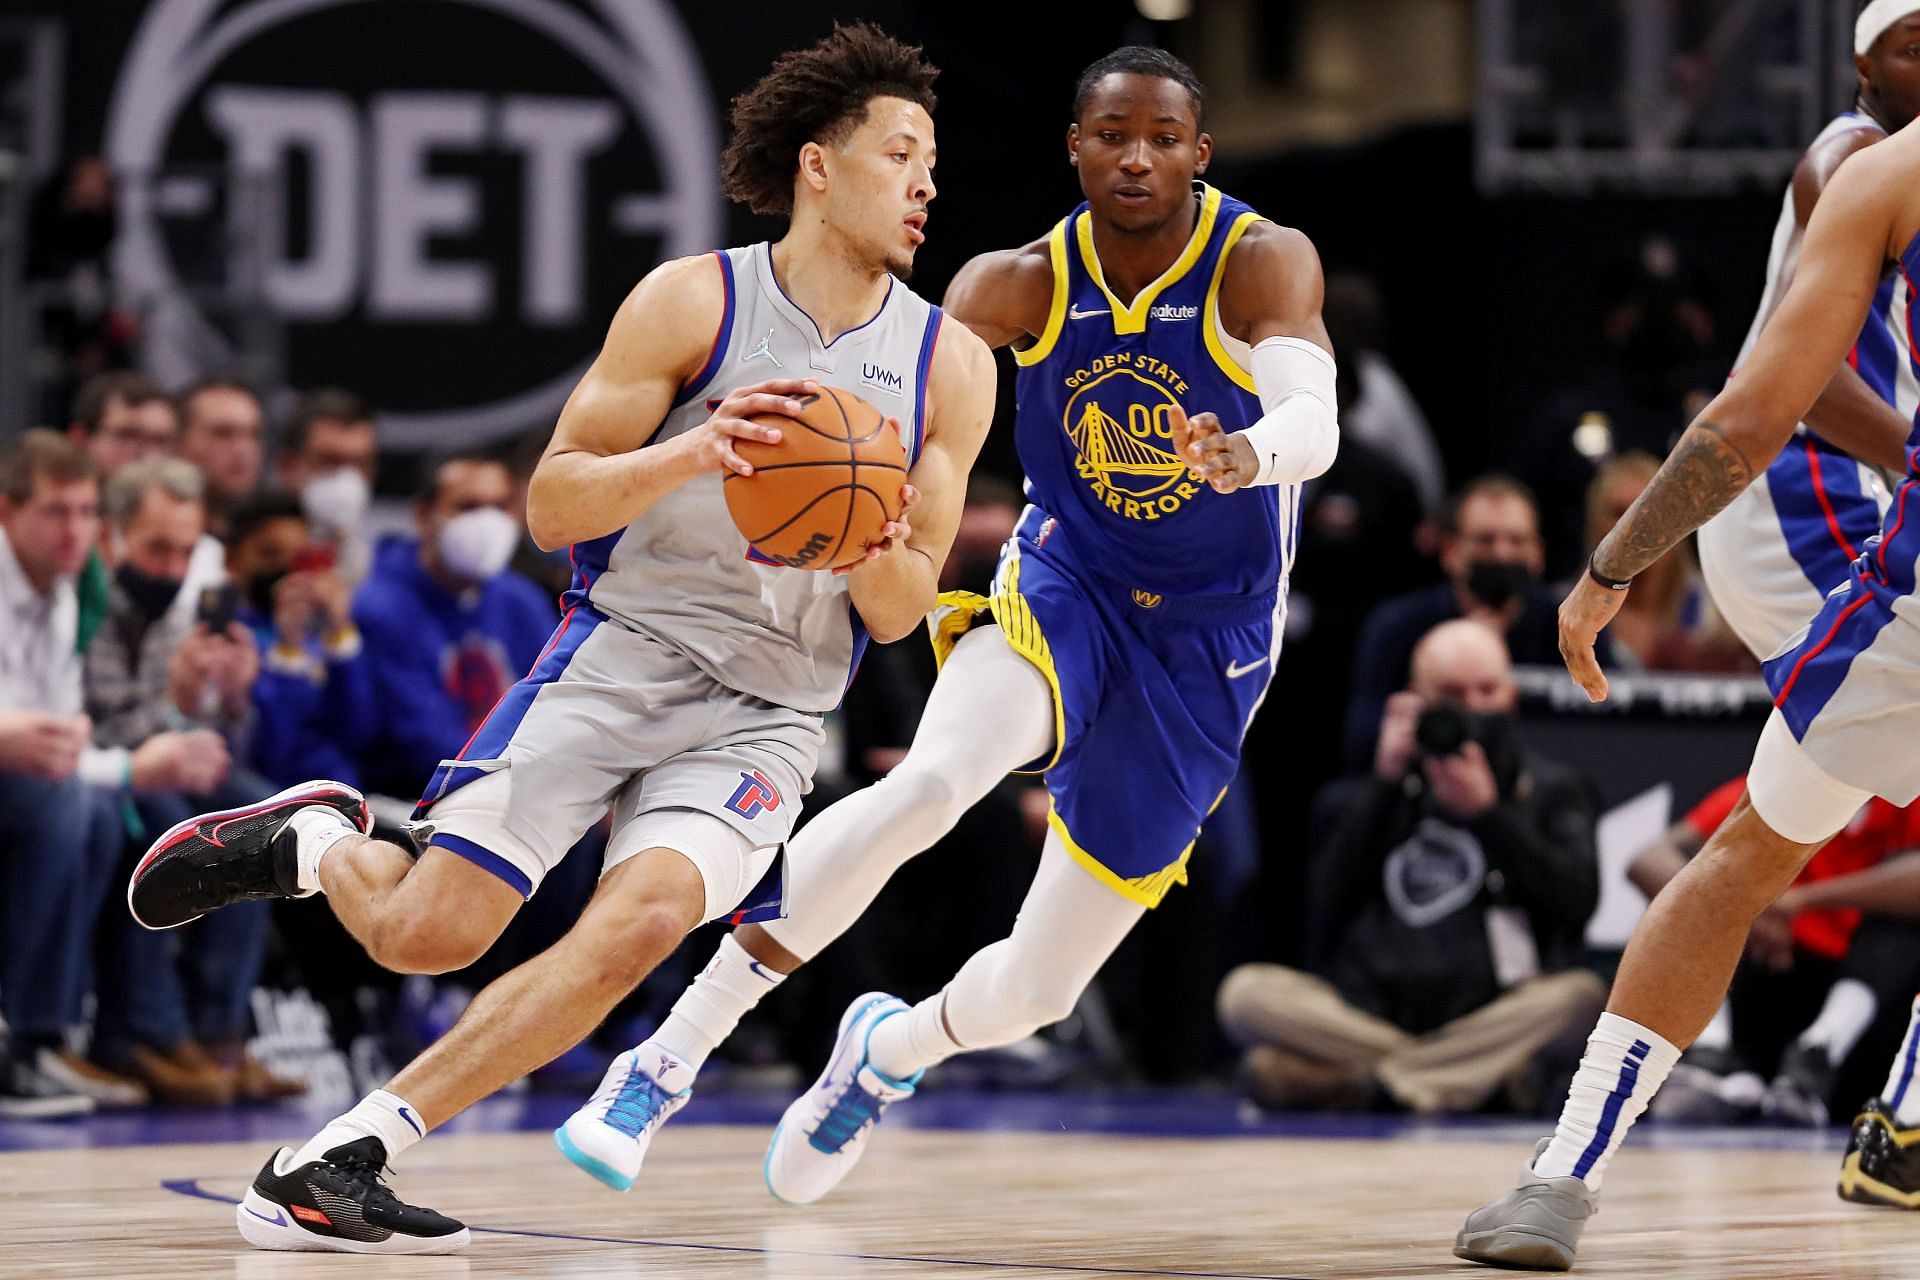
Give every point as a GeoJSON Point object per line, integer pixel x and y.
{"type": "Point", "coordinates": [191, 1188]}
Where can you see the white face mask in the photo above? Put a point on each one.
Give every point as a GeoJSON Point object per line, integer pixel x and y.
{"type": "Point", "coordinates": [336, 501]}
{"type": "Point", "coordinates": [476, 545]}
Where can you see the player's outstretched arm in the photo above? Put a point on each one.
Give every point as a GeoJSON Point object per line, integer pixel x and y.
{"type": "Point", "coordinates": [1742, 431]}
{"type": "Point", "coordinates": [1271, 300]}
{"type": "Point", "coordinates": [595, 477]}
{"type": "Point", "coordinates": [896, 590]}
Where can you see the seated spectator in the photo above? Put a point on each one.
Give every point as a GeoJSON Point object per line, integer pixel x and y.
{"type": "Point", "coordinates": [1832, 957]}
{"type": "Point", "coordinates": [58, 840]}
{"type": "Point", "coordinates": [1491, 552]}
{"type": "Point", "coordinates": [221, 426]}
{"type": "Point", "coordinates": [121, 417]}
{"type": "Point", "coordinates": [118, 418]}
{"type": "Point", "coordinates": [1457, 888]}
{"type": "Point", "coordinates": [328, 456]}
{"type": "Point", "coordinates": [173, 1009]}
{"type": "Point", "coordinates": [314, 699]}
{"type": "Point", "coordinates": [1667, 622]}
{"type": "Point", "coordinates": [448, 627]}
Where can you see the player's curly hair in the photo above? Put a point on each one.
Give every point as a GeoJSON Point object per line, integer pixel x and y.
{"type": "Point", "coordinates": [819, 94]}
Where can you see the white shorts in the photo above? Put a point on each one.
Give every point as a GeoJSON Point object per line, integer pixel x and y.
{"type": "Point", "coordinates": [613, 720]}
{"type": "Point", "coordinates": [1792, 794]}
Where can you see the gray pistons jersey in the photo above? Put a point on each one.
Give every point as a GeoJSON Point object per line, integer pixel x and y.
{"type": "Point", "coordinates": [684, 575]}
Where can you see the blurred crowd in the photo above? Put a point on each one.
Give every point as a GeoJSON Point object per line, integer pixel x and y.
{"type": "Point", "coordinates": [202, 605]}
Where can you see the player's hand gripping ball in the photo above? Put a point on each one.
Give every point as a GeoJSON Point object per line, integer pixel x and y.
{"type": "Point", "coordinates": [827, 489]}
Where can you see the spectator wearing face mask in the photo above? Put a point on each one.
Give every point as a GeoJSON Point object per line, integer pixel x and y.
{"type": "Point", "coordinates": [448, 627]}
{"type": "Point", "coordinates": [117, 418]}
{"type": "Point", "coordinates": [1491, 552]}
{"type": "Point", "coordinates": [174, 1007]}
{"type": "Point", "coordinates": [328, 458]}
{"type": "Point", "coordinates": [314, 700]}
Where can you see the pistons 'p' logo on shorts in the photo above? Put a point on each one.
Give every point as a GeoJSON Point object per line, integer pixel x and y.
{"type": "Point", "coordinates": [755, 795]}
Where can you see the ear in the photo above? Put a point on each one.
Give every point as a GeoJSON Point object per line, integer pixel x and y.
{"type": "Point", "coordinates": [1205, 149]}
{"type": "Point", "coordinates": [1073, 144]}
{"type": "Point", "coordinates": [814, 167]}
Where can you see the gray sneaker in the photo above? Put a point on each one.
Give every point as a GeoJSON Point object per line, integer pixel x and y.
{"type": "Point", "coordinates": [1534, 1227]}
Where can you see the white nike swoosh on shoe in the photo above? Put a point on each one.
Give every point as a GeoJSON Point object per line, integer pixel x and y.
{"type": "Point", "coordinates": [1075, 313]}
{"type": "Point", "coordinates": [1235, 670]}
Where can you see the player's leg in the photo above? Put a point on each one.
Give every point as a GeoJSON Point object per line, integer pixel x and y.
{"type": "Point", "coordinates": [1068, 926]}
{"type": "Point", "coordinates": [990, 712]}
{"type": "Point", "coordinates": [1675, 972]}
{"type": "Point", "coordinates": [521, 1021]}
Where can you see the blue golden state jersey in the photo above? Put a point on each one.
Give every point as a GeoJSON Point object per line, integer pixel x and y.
{"type": "Point", "coordinates": [1095, 392]}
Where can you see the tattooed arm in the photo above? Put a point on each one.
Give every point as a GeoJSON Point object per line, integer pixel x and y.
{"type": "Point", "coordinates": [1852, 234]}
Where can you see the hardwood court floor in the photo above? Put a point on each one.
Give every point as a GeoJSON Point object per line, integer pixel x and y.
{"type": "Point", "coordinates": [1026, 1206]}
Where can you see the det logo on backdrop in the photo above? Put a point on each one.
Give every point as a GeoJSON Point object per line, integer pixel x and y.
{"type": "Point", "coordinates": [453, 195]}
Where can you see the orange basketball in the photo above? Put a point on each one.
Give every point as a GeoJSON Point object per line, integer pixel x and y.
{"type": "Point", "coordinates": [816, 499]}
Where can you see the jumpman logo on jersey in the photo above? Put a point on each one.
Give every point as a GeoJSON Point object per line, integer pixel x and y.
{"type": "Point", "coordinates": [764, 349]}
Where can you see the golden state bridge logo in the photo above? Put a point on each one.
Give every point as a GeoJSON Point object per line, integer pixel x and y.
{"type": "Point", "coordinates": [1119, 419]}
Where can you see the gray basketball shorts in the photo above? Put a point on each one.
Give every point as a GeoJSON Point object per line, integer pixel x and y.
{"type": "Point", "coordinates": [612, 719]}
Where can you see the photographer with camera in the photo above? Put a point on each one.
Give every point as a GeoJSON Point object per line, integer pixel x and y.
{"type": "Point", "coordinates": [1452, 899]}
{"type": "Point", "coordinates": [1493, 556]}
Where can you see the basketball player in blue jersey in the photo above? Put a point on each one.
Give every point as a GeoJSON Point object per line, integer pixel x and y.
{"type": "Point", "coordinates": [685, 687]}
{"type": "Point", "coordinates": [1176, 387]}
{"type": "Point", "coordinates": [1847, 707]}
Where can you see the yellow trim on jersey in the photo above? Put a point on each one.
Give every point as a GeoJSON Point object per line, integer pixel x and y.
{"type": "Point", "coordinates": [1057, 311]}
{"type": "Point", "coordinates": [1146, 890]}
{"type": "Point", "coordinates": [1133, 319]}
{"type": "Point", "coordinates": [1211, 315]}
{"type": "Point", "coordinates": [959, 612]}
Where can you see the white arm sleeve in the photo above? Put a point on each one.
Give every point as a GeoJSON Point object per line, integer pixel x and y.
{"type": "Point", "coordinates": [1298, 436]}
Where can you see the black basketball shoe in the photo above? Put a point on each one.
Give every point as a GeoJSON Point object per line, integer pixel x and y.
{"type": "Point", "coordinates": [231, 856]}
{"type": "Point", "coordinates": [339, 1204]}
{"type": "Point", "coordinates": [1882, 1164]}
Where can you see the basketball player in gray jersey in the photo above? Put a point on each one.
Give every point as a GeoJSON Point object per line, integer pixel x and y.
{"type": "Point", "coordinates": [684, 687]}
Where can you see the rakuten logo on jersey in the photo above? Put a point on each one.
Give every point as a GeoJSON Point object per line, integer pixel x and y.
{"type": "Point", "coordinates": [445, 199]}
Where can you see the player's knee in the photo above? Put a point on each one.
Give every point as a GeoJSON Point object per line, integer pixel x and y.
{"type": "Point", "coordinates": [625, 951]}
{"type": "Point", "coordinates": [926, 795]}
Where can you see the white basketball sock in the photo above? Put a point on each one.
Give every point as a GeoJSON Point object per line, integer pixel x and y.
{"type": "Point", "coordinates": [1625, 1064]}
{"type": "Point", "coordinates": [1848, 1012]}
{"type": "Point", "coordinates": [378, 1115]}
{"type": "Point", "coordinates": [1903, 1090]}
{"type": "Point", "coordinates": [316, 829]}
{"type": "Point", "coordinates": [707, 1012]}
{"type": "Point", "coordinates": [910, 1042]}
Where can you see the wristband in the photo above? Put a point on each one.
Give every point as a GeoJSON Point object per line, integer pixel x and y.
{"type": "Point", "coordinates": [1609, 583]}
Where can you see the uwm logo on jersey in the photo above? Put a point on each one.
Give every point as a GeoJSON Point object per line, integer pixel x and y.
{"type": "Point", "coordinates": [446, 234]}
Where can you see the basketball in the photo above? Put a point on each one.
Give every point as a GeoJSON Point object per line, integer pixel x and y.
{"type": "Point", "coordinates": [820, 496]}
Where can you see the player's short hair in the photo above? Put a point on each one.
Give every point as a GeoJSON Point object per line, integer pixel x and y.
{"type": "Point", "coordinates": [818, 94]}
{"type": "Point", "coordinates": [1142, 60]}
{"type": "Point", "coordinates": [41, 453]}
{"type": "Point", "coordinates": [257, 510]}
{"type": "Point", "coordinates": [126, 385]}
{"type": "Point", "coordinates": [327, 404]}
{"type": "Point", "coordinates": [1495, 484]}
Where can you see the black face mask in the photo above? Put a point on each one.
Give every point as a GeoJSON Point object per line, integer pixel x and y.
{"type": "Point", "coordinates": [260, 591]}
{"type": "Point", "coordinates": [1495, 582]}
{"type": "Point", "coordinates": [150, 595]}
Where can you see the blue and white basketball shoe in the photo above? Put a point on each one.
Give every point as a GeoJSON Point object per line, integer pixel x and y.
{"type": "Point", "coordinates": [822, 1135]}
{"type": "Point", "coordinates": [608, 1137]}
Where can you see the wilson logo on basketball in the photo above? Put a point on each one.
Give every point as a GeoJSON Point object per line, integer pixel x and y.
{"type": "Point", "coordinates": [450, 250]}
